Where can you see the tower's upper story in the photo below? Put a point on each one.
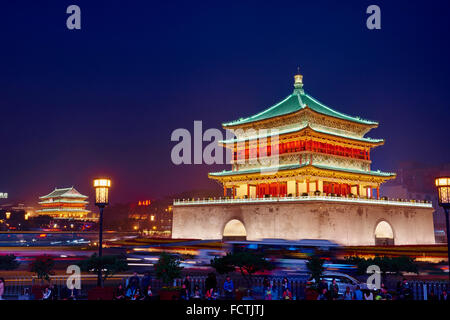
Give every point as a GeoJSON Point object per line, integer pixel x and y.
{"type": "Point", "coordinates": [300, 110]}
{"type": "Point", "coordinates": [300, 131]}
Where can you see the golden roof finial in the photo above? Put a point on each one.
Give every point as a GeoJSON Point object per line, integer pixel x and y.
{"type": "Point", "coordinates": [298, 79]}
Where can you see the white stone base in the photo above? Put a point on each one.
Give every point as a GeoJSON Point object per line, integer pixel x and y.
{"type": "Point", "coordinates": [347, 224]}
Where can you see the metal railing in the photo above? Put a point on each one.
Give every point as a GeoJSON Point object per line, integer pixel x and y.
{"type": "Point", "coordinates": [15, 287]}
{"type": "Point", "coordinates": [306, 198]}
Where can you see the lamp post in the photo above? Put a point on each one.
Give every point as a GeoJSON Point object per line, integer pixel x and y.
{"type": "Point", "coordinates": [443, 186]}
{"type": "Point", "coordinates": [101, 186]}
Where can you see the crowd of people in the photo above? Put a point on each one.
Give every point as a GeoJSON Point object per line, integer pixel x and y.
{"type": "Point", "coordinates": [137, 288]}
{"type": "Point", "coordinates": [141, 289]}
{"type": "Point", "coordinates": [402, 292]}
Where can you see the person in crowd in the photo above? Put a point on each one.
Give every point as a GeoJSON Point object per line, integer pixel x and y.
{"type": "Point", "coordinates": [25, 294]}
{"type": "Point", "coordinates": [285, 284]}
{"type": "Point", "coordinates": [368, 295]}
{"type": "Point", "coordinates": [384, 292]}
{"type": "Point", "coordinates": [134, 281]}
{"type": "Point", "coordinates": [323, 285]}
{"type": "Point", "coordinates": [119, 293]}
{"type": "Point", "coordinates": [444, 295]}
{"type": "Point", "coordinates": [47, 294]}
{"type": "Point", "coordinates": [405, 290]}
{"type": "Point", "coordinates": [377, 295]}
{"type": "Point", "coordinates": [137, 295]}
{"type": "Point", "coordinates": [184, 294]}
{"type": "Point", "coordinates": [197, 294]}
{"type": "Point", "coordinates": [55, 294]}
{"type": "Point", "coordinates": [268, 292]}
{"type": "Point", "coordinates": [358, 295]}
{"type": "Point", "coordinates": [148, 293]}
{"type": "Point", "coordinates": [287, 294]}
{"type": "Point", "coordinates": [2, 288]}
{"type": "Point", "coordinates": [334, 290]}
{"type": "Point", "coordinates": [187, 283]}
{"type": "Point", "coordinates": [211, 294]}
{"type": "Point", "coordinates": [71, 294]}
{"type": "Point", "coordinates": [145, 282]}
{"type": "Point", "coordinates": [322, 295]}
{"type": "Point", "coordinates": [348, 294]}
{"type": "Point", "coordinates": [398, 290]}
{"type": "Point", "coordinates": [228, 288]}
{"type": "Point", "coordinates": [210, 284]}
{"type": "Point", "coordinates": [130, 292]}
{"type": "Point", "coordinates": [266, 283]}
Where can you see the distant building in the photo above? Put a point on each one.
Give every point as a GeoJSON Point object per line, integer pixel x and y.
{"type": "Point", "coordinates": [65, 203]}
{"type": "Point", "coordinates": [153, 219]}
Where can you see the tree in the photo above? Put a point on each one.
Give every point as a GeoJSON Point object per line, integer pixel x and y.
{"type": "Point", "coordinates": [109, 264]}
{"type": "Point", "coordinates": [168, 268]}
{"type": "Point", "coordinates": [8, 262]}
{"type": "Point", "coordinates": [247, 263]}
{"type": "Point", "coordinates": [395, 265]}
{"type": "Point", "coordinates": [315, 267]}
{"type": "Point", "coordinates": [42, 266]}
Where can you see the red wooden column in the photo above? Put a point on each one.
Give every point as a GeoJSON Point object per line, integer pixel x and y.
{"type": "Point", "coordinates": [357, 189]}
{"type": "Point", "coordinates": [278, 189]}
{"type": "Point", "coordinates": [378, 192]}
{"type": "Point", "coordinates": [234, 192]}
{"type": "Point", "coordinates": [307, 185]}
{"type": "Point", "coordinates": [224, 191]}
{"type": "Point", "coordinates": [317, 185]}
{"type": "Point", "coordinates": [248, 191]}
{"type": "Point", "coordinates": [296, 188]}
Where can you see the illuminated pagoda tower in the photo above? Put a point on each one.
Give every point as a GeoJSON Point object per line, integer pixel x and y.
{"type": "Point", "coordinates": [302, 170]}
{"type": "Point", "coordinates": [304, 147]}
{"type": "Point", "coordinates": [66, 203]}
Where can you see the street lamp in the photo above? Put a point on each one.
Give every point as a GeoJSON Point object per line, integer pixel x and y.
{"type": "Point", "coordinates": [101, 186]}
{"type": "Point", "coordinates": [443, 186]}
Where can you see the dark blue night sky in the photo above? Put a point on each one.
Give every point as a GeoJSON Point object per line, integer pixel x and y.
{"type": "Point", "coordinates": [105, 99]}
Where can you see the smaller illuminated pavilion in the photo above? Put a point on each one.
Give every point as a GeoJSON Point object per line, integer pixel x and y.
{"type": "Point", "coordinates": [66, 203]}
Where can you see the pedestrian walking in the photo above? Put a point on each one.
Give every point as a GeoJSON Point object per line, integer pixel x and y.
{"type": "Point", "coordinates": [187, 283]}
{"type": "Point", "coordinates": [210, 284]}
{"type": "Point", "coordinates": [368, 295]}
{"type": "Point", "coordinates": [228, 288]}
{"type": "Point", "coordinates": [119, 293]}
{"type": "Point", "coordinates": [134, 281]}
{"type": "Point", "coordinates": [348, 294]}
{"type": "Point", "coordinates": [334, 290]}
{"type": "Point", "coordinates": [358, 295]}
{"type": "Point", "coordinates": [444, 295]}
{"type": "Point", "coordinates": [2, 288]}
{"type": "Point", "coordinates": [322, 295]}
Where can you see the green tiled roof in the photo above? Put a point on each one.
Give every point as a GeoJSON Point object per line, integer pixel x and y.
{"type": "Point", "coordinates": [266, 169]}
{"type": "Point", "coordinates": [296, 101]}
{"type": "Point", "coordinates": [297, 166]}
{"type": "Point", "coordinates": [292, 130]}
{"type": "Point", "coordinates": [64, 192]}
{"type": "Point", "coordinates": [372, 173]}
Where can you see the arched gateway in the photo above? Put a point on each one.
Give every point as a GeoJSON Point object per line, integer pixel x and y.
{"type": "Point", "coordinates": [234, 230]}
{"type": "Point", "coordinates": [384, 235]}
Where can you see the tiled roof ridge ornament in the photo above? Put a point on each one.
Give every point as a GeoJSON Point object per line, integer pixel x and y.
{"type": "Point", "coordinates": [298, 82]}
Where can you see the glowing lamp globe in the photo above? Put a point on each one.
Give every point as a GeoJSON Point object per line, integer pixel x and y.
{"type": "Point", "coordinates": [443, 186]}
{"type": "Point", "coordinates": [101, 191]}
